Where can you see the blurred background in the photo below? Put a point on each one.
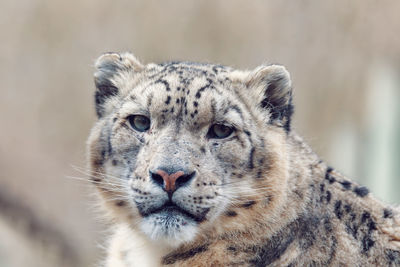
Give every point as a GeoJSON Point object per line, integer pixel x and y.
{"type": "Point", "coordinates": [344, 58]}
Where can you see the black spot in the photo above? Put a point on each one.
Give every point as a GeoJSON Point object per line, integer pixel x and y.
{"type": "Point", "coordinates": [195, 103]}
{"type": "Point", "coordinates": [328, 175]}
{"type": "Point", "coordinates": [168, 100]}
{"type": "Point", "coordinates": [120, 203]}
{"type": "Point", "coordinates": [392, 256]}
{"type": "Point", "coordinates": [247, 132]}
{"type": "Point", "coordinates": [202, 149]}
{"type": "Point", "coordinates": [346, 185]}
{"type": "Point", "coordinates": [352, 229]}
{"type": "Point", "coordinates": [322, 187]}
{"type": "Point", "coordinates": [178, 256]}
{"type": "Point", "coordinates": [361, 191]}
{"type": "Point", "coordinates": [149, 100]}
{"type": "Point", "coordinates": [328, 171]}
{"type": "Point", "coordinates": [115, 119]}
{"type": "Point", "coordinates": [367, 243]}
{"type": "Point", "coordinates": [347, 208]}
{"type": "Point", "coordinates": [230, 248]}
{"type": "Point", "coordinates": [338, 209]}
{"type": "Point", "coordinates": [328, 196]}
{"type": "Point", "coordinates": [365, 216]}
{"type": "Point", "coordinates": [177, 100]}
{"type": "Point", "coordinates": [387, 213]}
{"type": "Point", "coordinates": [95, 180]}
{"type": "Point", "coordinates": [114, 162]}
{"type": "Point", "coordinates": [248, 204]}
{"type": "Point", "coordinates": [371, 226]}
{"type": "Point", "coordinates": [231, 213]}
{"type": "Point", "coordinates": [251, 158]}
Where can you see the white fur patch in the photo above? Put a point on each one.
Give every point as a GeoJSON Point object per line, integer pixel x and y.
{"type": "Point", "coordinates": [171, 229]}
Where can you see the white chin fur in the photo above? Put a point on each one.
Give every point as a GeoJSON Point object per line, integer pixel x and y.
{"type": "Point", "coordinates": [170, 230]}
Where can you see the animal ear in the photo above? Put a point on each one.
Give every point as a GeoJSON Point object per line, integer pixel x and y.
{"type": "Point", "coordinates": [109, 67]}
{"type": "Point", "coordinates": [272, 88]}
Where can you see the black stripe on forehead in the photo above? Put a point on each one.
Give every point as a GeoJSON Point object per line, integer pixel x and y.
{"type": "Point", "coordinates": [164, 82]}
{"type": "Point", "coordinates": [235, 108]}
{"type": "Point", "coordinates": [209, 85]}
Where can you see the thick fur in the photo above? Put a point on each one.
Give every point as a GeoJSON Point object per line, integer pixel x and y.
{"type": "Point", "coordinates": [259, 197]}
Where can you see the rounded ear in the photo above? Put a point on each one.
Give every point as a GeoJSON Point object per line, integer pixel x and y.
{"type": "Point", "coordinates": [108, 67]}
{"type": "Point", "coordinates": [272, 87]}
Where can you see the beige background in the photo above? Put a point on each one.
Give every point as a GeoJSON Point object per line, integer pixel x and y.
{"type": "Point", "coordinates": [344, 58]}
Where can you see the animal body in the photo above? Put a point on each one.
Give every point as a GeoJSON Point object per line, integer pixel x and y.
{"type": "Point", "coordinates": [197, 165]}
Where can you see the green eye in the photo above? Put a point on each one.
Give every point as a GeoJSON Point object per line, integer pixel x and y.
{"type": "Point", "coordinates": [219, 131]}
{"type": "Point", "coordinates": [139, 122]}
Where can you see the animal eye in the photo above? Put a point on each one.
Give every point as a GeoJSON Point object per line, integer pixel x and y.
{"type": "Point", "coordinates": [139, 122]}
{"type": "Point", "coordinates": [219, 131]}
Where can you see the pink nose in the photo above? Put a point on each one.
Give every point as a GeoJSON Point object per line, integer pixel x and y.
{"type": "Point", "coordinates": [170, 179]}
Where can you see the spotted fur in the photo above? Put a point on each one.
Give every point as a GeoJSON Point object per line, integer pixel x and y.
{"type": "Point", "coordinates": [256, 197]}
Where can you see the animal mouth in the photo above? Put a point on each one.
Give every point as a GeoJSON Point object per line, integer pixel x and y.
{"type": "Point", "coordinates": [171, 209]}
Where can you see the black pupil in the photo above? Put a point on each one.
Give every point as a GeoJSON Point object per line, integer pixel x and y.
{"type": "Point", "coordinates": [139, 122]}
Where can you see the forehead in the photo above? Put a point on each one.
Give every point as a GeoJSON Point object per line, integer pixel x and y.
{"type": "Point", "coordinates": [191, 90]}
{"type": "Point", "coordinates": [186, 76]}
{"type": "Point", "coordinates": [183, 82]}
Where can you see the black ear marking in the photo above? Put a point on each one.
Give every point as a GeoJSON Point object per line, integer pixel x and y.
{"type": "Point", "coordinates": [107, 67]}
{"type": "Point", "coordinates": [273, 83]}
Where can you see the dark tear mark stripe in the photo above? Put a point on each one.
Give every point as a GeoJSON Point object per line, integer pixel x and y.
{"type": "Point", "coordinates": [213, 108]}
{"type": "Point", "coordinates": [251, 158]}
{"type": "Point", "coordinates": [174, 257]}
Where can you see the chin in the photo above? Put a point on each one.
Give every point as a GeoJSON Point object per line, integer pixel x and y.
{"type": "Point", "coordinates": [170, 226]}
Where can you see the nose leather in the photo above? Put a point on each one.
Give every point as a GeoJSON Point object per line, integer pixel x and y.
{"type": "Point", "coordinates": [169, 179]}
